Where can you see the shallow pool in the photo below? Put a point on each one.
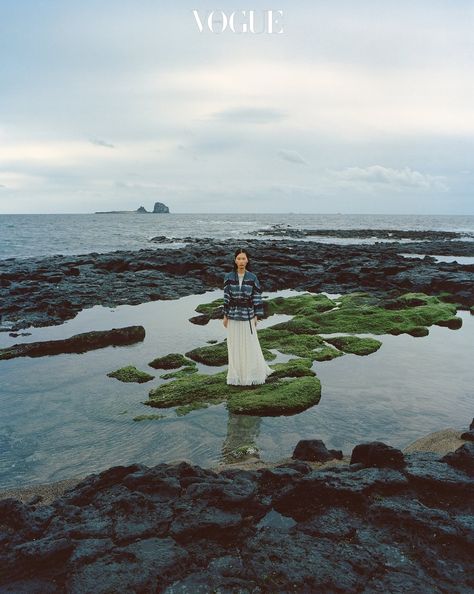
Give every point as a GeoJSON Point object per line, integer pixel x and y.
{"type": "Point", "coordinates": [62, 417]}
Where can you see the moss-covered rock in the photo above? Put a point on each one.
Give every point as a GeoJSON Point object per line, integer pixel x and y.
{"type": "Point", "coordinates": [301, 345]}
{"type": "Point", "coordinates": [170, 361]}
{"type": "Point", "coordinates": [305, 304]}
{"type": "Point", "coordinates": [360, 313]}
{"type": "Point", "coordinates": [199, 387]}
{"type": "Point", "coordinates": [326, 353]}
{"type": "Point", "coordinates": [280, 397]}
{"type": "Point", "coordinates": [355, 344]}
{"type": "Point", "coordinates": [298, 325]}
{"type": "Point", "coordinates": [210, 308]}
{"type": "Point", "coordinates": [292, 368]}
{"type": "Point", "coordinates": [131, 374]}
{"type": "Point", "coordinates": [284, 397]}
{"type": "Point", "coordinates": [149, 417]}
{"type": "Point", "coordinates": [216, 355]}
{"type": "Point", "coordinates": [453, 324]}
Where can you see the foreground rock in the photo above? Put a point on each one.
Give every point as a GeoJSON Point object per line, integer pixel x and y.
{"type": "Point", "coordinates": [45, 291]}
{"type": "Point", "coordinates": [181, 528]}
{"type": "Point", "coordinates": [79, 343]}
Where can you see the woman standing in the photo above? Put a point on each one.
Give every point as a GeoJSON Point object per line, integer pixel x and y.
{"type": "Point", "coordinates": [242, 306]}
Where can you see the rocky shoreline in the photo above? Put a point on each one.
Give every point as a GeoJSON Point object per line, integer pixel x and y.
{"type": "Point", "coordinates": [383, 521]}
{"type": "Point", "coordinates": [50, 290]}
{"type": "Point", "coordinates": [380, 520]}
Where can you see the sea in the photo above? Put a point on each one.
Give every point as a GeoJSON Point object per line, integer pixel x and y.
{"type": "Point", "coordinates": [25, 236]}
{"type": "Point", "coordinates": [62, 417]}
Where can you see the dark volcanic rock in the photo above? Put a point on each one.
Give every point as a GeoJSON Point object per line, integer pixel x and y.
{"type": "Point", "coordinates": [45, 291]}
{"type": "Point", "coordinates": [314, 450]}
{"type": "Point", "coordinates": [184, 529]}
{"type": "Point", "coordinates": [392, 234]}
{"type": "Point", "coordinates": [462, 458]}
{"type": "Point", "coordinates": [377, 454]}
{"type": "Point", "coordinates": [79, 343]}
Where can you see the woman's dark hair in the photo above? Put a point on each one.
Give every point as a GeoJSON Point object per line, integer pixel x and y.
{"type": "Point", "coordinates": [241, 251]}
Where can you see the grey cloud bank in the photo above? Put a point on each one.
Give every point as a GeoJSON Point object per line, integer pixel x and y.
{"type": "Point", "coordinates": [359, 107]}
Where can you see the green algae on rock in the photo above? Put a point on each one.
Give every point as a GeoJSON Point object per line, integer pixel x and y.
{"type": "Point", "coordinates": [209, 308]}
{"type": "Point", "coordinates": [359, 312]}
{"type": "Point", "coordinates": [170, 361]}
{"type": "Point", "coordinates": [301, 345]}
{"type": "Point", "coordinates": [131, 374]}
{"type": "Point", "coordinates": [326, 353]}
{"type": "Point", "coordinates": [215, 355]}
{"type": "Point", "coordinates": [149, 417]}
{"type": "Point", "coordinates": [304, 304]}
{"type": "Point", "coordinates": [292, 368]}
{"type": "Point", "coordinates": [282, 396]}
{"type": "Point", "coordinates": [355, 344]}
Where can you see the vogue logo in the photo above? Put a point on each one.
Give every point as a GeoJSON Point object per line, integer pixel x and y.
{"type": "Point", "coordinates": [240, 21]}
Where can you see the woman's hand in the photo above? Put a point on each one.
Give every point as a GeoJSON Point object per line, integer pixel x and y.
{"type": "Point", "coordinates": [225, 321]}
{"type": "Point", "coordinates": [255, 320]}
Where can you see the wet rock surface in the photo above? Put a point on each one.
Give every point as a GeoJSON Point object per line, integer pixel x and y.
{"type": "Point", "coordinates": [79, 343]}
{"type": "Point", "coordinates": [363, 527]}
{"type": "Point", "coordinates": [47, 291]}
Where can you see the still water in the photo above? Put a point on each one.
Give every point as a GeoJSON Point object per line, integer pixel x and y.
{"type": "Point", "coordinates": [62, 417]}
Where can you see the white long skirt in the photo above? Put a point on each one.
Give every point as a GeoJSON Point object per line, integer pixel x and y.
{"type": "Point", "coordinates": [247, 365]}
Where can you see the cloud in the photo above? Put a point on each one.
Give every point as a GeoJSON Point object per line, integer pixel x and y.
{"type": "Point", "coordinates": [249, 115]}
{"type": "Point", "coordinates": [291, 156]}
{"type": "Point", "coordinates": [395, 178]}
{"type": "Point", "coordinates": [99, 142]}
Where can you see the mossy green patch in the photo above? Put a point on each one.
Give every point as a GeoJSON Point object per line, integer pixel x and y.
{"type": "Point", "coordinates": [209, 308]}
{"type": "Point", "coordinates": [292, 368]}
{"type": "Point", "coordinates": [278, 397]}
{"type": "Point", "coordinates": [131, 374]}
{"type": "Point", "coordinates": [301, 345]}
{"type": "Point", "coordinates": [326, 353]}
{"type": "Point", "coordinates": [299, 304]}
{"type": "Point", "coordinates": [284, 397]}
{"type": "Point", "coordinates": [355, 344]}
{"type": "Point", "coordinates": [360, 313]}
{"type": "Point", "coordinates": [170, 361]}
{"type": "Point", "coordinates": [298, 325]}
{"type": "Point", "coordinates": [199, 387]}
{"type": "Point", "coordinates": [216, 355]}
{"type": "Point", "coordinates": [149, 417]}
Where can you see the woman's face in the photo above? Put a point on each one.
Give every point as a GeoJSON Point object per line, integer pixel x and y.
{"type": "Point", "coordinates": [241, 260]}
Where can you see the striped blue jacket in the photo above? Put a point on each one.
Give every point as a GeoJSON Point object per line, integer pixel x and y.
{"type": "Point", "coordinates": [242, 303]}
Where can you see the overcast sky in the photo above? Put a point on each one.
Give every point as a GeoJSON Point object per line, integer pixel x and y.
{"type": "Point", "coordinates": [359, 106]}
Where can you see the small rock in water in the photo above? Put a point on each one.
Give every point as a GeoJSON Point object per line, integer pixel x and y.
{"type": "Point", "coordinates": [378, 454]}
{"type": "Point", "coordinates": [314, 450]}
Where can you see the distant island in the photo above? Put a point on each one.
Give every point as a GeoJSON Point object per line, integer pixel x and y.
{"type": "Point", "coordinates": [158, 208]}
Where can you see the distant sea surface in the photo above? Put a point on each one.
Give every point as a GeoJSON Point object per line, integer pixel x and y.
{"type": "Point", "coordinates": [25, 236]}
